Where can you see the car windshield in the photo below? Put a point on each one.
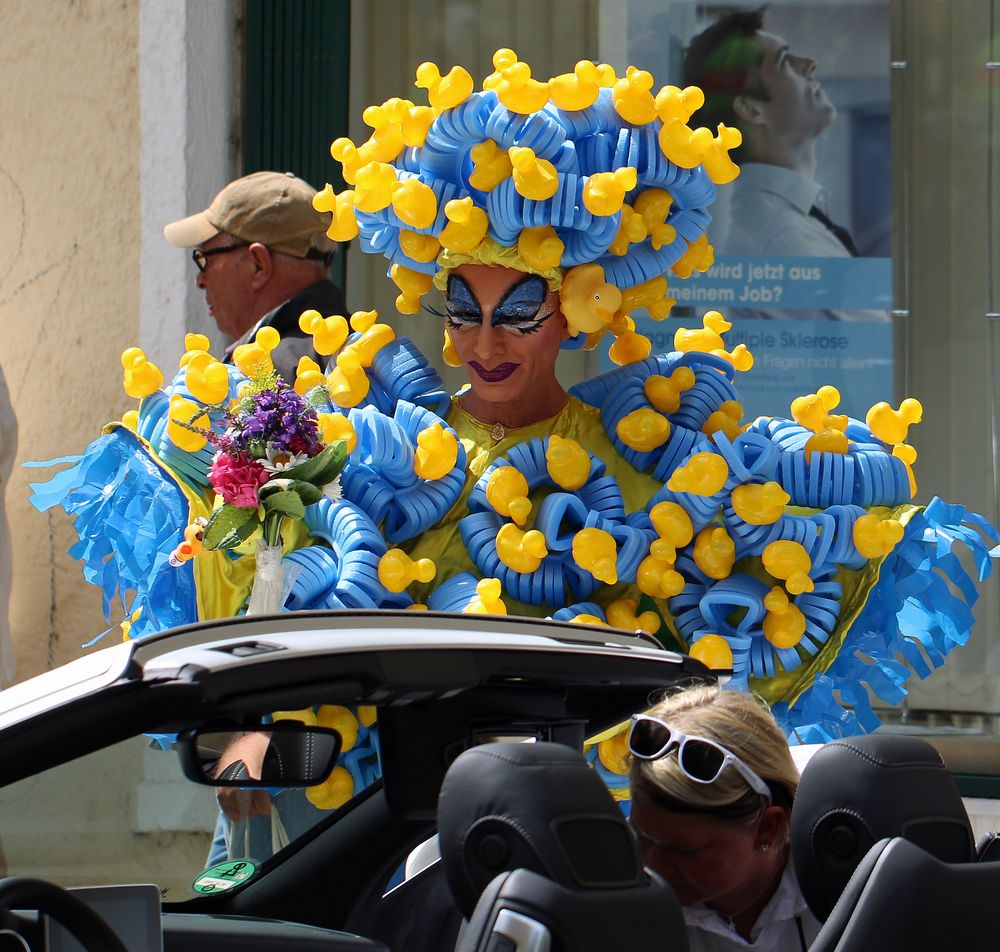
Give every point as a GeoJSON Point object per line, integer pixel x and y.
{"type": "Point", "coordinates": [128, 814]}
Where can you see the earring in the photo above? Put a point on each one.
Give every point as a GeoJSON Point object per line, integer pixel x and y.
{"type": "Point", "coordinates": [762, 847]}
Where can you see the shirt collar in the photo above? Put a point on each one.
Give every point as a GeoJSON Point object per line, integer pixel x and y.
{"type": "Point", "coordinates": [786, 903]}
{"type": "Point", "coordinates": [794, 187]}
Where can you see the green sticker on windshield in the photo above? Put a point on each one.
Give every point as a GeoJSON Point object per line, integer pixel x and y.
{"type": "Point", "coordinates": [224, 876]}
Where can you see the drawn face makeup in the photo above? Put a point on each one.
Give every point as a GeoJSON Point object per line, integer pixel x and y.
{"type": "Point", "coordinates": [506, 327]}
{"type": "Point", "coordinates": [521, 310]}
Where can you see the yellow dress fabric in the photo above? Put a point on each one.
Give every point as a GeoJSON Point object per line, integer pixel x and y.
{"type": "Point", "coordinates": [576, 421]}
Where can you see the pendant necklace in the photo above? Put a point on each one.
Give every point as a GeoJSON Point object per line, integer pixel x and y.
{"type": "Point", "coordinates": [498, 432]}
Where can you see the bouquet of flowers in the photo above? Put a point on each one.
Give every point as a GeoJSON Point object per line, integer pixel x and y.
{"type": "Point", "coordinates": [271, 462]}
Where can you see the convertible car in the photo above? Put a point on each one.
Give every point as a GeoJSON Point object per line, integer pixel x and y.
{"type": "Point", "coordinates": [95, 759]}
{"type": "Point", "coordinates": [422, 782]}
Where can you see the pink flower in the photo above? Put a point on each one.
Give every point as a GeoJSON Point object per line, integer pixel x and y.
{"type": "Point", "coordinates": [237, 479]}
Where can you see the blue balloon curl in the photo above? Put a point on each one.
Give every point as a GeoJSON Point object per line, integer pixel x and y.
{"type": "Point", "coordinates": [344, 572]}
{"type": "Point", "coordinates": [454, 594]}
{"type": "Point", "coordinates": [911, 621]}
{"type": "Point", "coordinates": [579, 144]}
{"type": "Point", "coordinates": [129, 517]}
{"type": "Point", "coordinates": [378, 475]}
{"type": "Point", "coordinates": [841, 486]}
{"type": "Point", "coordinates": [399, 371]}
{"type": "Point", "coordinates": [596, 504]}
{"type": "Point", "coordinates": [580, 608]}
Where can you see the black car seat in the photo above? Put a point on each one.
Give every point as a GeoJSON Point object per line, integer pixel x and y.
{"type": "Point", "coordinates": [538, 856]}
{"type": "Point", "coordinates": [988, 847]}
{"type": "Point", "coordinates": [884, 854]}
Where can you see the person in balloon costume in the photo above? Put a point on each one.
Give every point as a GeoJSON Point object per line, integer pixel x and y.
{"type": "Point", "coordinates": [786, 550]}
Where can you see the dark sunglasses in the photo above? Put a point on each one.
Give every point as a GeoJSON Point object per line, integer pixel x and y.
{"type": "Point", "coordinates": [700, 759]}
{"type": "Point", "coordinates": [200, 256]}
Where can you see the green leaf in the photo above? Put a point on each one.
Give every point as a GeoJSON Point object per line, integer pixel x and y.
{"type": "Point", "coordinates": [321, 468]}
{"type": "Point", "coordinates": [230, 525]}
{"type": "Point", "coordinates": [287, 503]}
{"type": "Point", "coordinates": [307, 492]}
{"type": "Point", "coordinates": [273, 486]}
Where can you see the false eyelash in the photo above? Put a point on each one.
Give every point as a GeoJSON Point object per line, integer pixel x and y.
{"type": "Point", "coordinates": [530, 327]}
{"type": "Point", "coordinates": [434, 311]}
{"type": "Point", "coordinates": [457, 324]}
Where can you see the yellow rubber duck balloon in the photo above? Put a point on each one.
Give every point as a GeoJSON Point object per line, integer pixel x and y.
{"type": "Point", "coordinates": [760, 504]}
{"type": "Point", "coordinates": [673, 526]}
{"type": "Point", "coordinates": [514, 86]}
{"type": "Point", "coordinates": [142, 377]}
{"type": "Point", "coordinates": [308, 375]}
{"type": "Point", "coordinates": [487, 600]}
{"type": "Point", "coordinates": [568, 463]}
{"type": "Point", "coordinates": [658, 578]}
{"type": "Point", "coordinates": [784, 624]}
{"type": "Point", "coordinates": [588, 301]}
{"type": "Point", "coordinates": [445, 92]}
{"type": "Point", "coordinates": [334, 792]}
{"type": "Point", "coordinates": [704, 339]}
{"type": "Point", "coordinates": [466, 228]}
{"type": "Point", "coordinates": [672, 102]}
{"type": "Point", "coordinates": [534, 178]}
{"type": "Point", "coordinates": [576, 90]}
{"type": "Point", "coordinates": [328, 333]}
{"type": "Point", "coordinates": [207, 378]}
{"type": "Point", "coordinates": [789, 562]}
{"type": "Point", "coordinates": [890, 426]}
{"type": "Point", "coordinates": [624, 613]}
{"type": "Point", "coordinates": [347, 383]}
{"type": "Point", "coordinates": [595, 551]}
{"type": "Point", "coordinates": [254, 358]}
{"type": "Point", "coordinates": [714, 552]}
{"type": "Point", "coordinates": [396, 570]}
{"type": "Point", "coordinates": [491, 166]}
{"type": "Point", "coordinates": [334, 427]}
{"type": "Point", "coordinates": [540, 247]}
{"type": "Point", "coordinates": [522, 551]}
{"type": "Point", "coordinates": [874, 537]}
{"type": "Point", "coordinates": [507, 493]}
{"type": "Point", "coordinates": [643, 429]}
{"type": "Point", "coordinates": [664, 393]}
{"type": "Point", "coordinates": [604, 192]}
{"type": "Point", "coordinates": [632, 97]}
{"type": "Point", "coordinates": [704, 474]}
{"type": "Point", "coordinates": [713, 651]}
{"type": "Point", "coordinates": [437, 452]}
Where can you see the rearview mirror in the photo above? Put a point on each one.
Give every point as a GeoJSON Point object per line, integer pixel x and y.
{"type": "Point", "coordinates": [272, 755]}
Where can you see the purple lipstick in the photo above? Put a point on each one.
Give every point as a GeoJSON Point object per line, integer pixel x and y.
{"type": "Point", "coordinates": [498, 373]}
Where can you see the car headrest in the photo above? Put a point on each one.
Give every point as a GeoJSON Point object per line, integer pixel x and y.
{"type": "Point", "coordinates": [537, 806]}
{"type": "Point", "coordinates": [857, 791]}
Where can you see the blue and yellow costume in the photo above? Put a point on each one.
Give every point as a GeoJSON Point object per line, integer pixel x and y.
{"type": "Point", "coordinates": [784, 549]}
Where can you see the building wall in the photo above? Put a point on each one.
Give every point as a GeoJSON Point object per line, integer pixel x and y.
{"type": "Point", "coordinates": [119, 116]}
{"type": "Point", "coordinates": [69, 277]}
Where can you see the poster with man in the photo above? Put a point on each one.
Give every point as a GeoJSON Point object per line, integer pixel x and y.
{"type": "Point", "coordinates": [802, 237]}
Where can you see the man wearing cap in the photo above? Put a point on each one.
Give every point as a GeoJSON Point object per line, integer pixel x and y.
{"type": "Point", "coordinates": [263, 258]}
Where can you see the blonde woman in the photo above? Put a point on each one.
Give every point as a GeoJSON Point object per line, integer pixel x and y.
{"type": "Point", "coordinates": [712, 789]}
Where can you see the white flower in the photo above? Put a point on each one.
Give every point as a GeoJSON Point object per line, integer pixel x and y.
{"type": "Point", "coordinates": [332, 490]}
{"type": "Point", "coordinates": [278, 460]}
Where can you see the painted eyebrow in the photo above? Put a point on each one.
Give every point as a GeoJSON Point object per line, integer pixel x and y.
{"type": "Point", "coordinates": [531, 289]}
{"type": "Point", "coordinates": [459, 287]}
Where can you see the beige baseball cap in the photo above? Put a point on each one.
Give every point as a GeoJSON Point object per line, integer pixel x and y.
{"type": "Point", "coordinates": [274, 208]}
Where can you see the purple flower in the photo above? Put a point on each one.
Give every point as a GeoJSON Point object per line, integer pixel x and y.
{"type": "Point", "coordinates": [280, 418]}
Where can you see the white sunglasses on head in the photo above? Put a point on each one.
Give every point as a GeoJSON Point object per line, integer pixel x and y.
{"type": "Point", "coordinates": [700, 759]}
